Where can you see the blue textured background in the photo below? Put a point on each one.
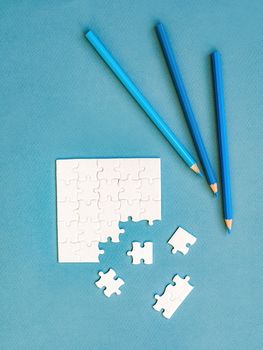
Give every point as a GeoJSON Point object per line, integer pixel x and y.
{"type": "Point", "coordinates": [58, 99]}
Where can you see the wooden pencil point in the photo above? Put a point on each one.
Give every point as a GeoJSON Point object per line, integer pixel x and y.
{"type": "Point", "coordinates": [214, 188]}
{"type": "Point", "coordinates": [228, 224]}
{"type": "Point", "coordinates": [195, 168]}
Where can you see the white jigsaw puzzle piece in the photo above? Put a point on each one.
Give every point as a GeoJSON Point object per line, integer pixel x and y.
{"type": "Point", "coordinates": [67, 191]}
{"type": "Point", "coordinates": [129, 190]}
{"type": "Point", "coordinates": [108, 281]}
{"type": "Point", "coordinates": [150, 190]}
{"type": "Point", "coordinates": [88, 212]}
{"type": "Point", "coordinates": [139, 253]}
{"type": "Point", "coordinates": [130, 209]}
{"type": "Point", "coordinates": [150, 169]}
{"type": "Point", "coordinates": [108, 169]}
{"type": "Point", "coordinates": [68, 252]}
{"type": "Point", "coordinates": [173, 296]}
{"type": "Point", "coordinates": [111, 231]}
{"type": "Point", "coordinates": [87, 169]}
{"type": "Point", "coordinates": [151, 210]}
{"type": "Point", "coordinates": [180, 241]}
{"type": "Point", "coordinates": [66, 212]}
{"type": "Point", "coordinates": [129, 168]}
{"type": "Point", "coordinates": [66, 170]}
{"type": "Point", "coordinates": [88, 190]}
{"type": "Point", "coordinates": [109, 190]}
{"type": "Point", "coordinates": [89, 253]}
{"type": "Point", "coordinates": [109, 211]}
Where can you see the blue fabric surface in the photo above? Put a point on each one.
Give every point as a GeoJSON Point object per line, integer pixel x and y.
{"type": "Point", "coordinates": [58, 99]}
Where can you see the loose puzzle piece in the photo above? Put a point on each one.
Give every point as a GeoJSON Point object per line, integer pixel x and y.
{"type": "Point", "coordinates": [109, 281]}
{"type": "Point", "coordinates": [181, 240]}
{"type": "Point", "coordinates": [139, 253]}
{"type": "Point", "coordinates": [94, 195]}
{"type": "Point", "coordinates": [173, 296]}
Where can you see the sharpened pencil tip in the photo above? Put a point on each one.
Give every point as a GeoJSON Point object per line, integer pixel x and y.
{"type": "Point", "coordinates": [228, 223]}
{"type": "Point", "coordinates": [216, 195]}
{"type": "Point", "coordinates": [214, 188]}
{"type": "Point", "coordinates": [195, 168]}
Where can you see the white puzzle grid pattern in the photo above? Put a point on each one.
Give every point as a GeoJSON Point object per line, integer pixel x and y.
{"type": "Point", "coordinates": [94, 195]}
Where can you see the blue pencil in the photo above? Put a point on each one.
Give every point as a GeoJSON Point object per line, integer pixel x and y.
{"type": "Point", "coordinates": [186, 106]}
{"type": "Point", "coordinates": [222, 138]}
{"type": "Point", "coordinates": [142, 101]}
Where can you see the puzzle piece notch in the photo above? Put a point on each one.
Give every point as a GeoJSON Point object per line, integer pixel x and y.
{"type": "Point", "coordinates": [112, 231]}
{"type": "Point", "coordinates": [130, 210]}
{"type": "Point", "coordinates": [89, 253]}
{"type": "Point", "coordinates": [181, 240]}
{"type": "Point", "coordinates": [141, 252]}
{"type": "Point", "coordinates": [107, 169]}
{"type": "Point", "coordinates": [150, 211]}
{"type": "Point", "coordinates": [173, 296]}
{"type": "Point", "coordinates": [109, 282]}
{"type": "Point", "coordinates": [79, 251]}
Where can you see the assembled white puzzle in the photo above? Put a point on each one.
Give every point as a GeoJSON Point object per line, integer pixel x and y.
{"type": "Point", "coordinates": [94, 195]}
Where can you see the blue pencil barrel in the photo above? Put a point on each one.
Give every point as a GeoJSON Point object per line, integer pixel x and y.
{"type": "Point", "coordinates": [185, 103]}
{"type": "Point", "coordinates": [142, 101]}
{"type": "Point", "coordinates": [222, 134]}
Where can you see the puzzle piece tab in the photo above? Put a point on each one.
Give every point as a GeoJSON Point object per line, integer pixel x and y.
{"type": "Point", "coordinates": [181, 240]}
{"type": "Point", "coordinates": [139, 253]}
{"type": "Point", "coordinates": [173, 296]}
{"type": "Point", "coordinates": [110, 282]}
